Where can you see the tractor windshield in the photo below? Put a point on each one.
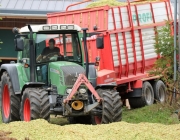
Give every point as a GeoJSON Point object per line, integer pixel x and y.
{"type": "Point", "coordinates": [58, 47]}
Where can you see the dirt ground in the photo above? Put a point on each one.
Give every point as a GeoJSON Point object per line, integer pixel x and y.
{"type": "Point", "coordinates": [4, 136]}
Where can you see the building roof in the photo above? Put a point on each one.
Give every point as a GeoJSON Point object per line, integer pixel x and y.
{"type": "Point", "coordinates": [38, 8]}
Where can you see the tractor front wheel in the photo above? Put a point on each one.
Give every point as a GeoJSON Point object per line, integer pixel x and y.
{"type": "Point", "coordinates": [35, 104]}
{"type": "Point", "coordinates": [111, 107]}
{"type": "Point", "coordinates": [10, 103]}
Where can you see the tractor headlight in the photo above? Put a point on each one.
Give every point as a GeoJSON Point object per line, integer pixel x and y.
{"type": "Point", "coordinates": [63, 27]}
{"type": "Point", "coordinates": [54, 27]}
{"type": "Point", "coordinates": [46, 27]}
{"type": "Point", "coordinates": [82, 90]}
{"type": "Point", "coordinates": [71, 27]}
{"type": "Point", "coordinates": [69, 90]}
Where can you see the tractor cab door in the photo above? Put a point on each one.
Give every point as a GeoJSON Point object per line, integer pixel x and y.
{"type": "Point", "coordinates": [25, 61]}
{"type": "Point", "coordinates": [41, 67]}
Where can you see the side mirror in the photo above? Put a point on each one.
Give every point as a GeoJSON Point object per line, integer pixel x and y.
{"type": "Point", "coordinates": [100, 43]}
{"type": "Point", "coordinates": [19, 44]}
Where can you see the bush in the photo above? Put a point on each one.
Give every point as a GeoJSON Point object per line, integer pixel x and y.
{"type": "Point", "coordinates": [164, 66]}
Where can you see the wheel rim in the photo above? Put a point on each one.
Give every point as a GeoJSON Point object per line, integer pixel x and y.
{"type": "Point", "coordinates": [6, 101]}
{"type": "Point", "coordinates": [27, 110]}
{"type": "Point", "coordinates": [148, 96]}
{"type": "Point", "coordinates": [97, 119]}
{"type": "Point", "coordinates": [161, 94]}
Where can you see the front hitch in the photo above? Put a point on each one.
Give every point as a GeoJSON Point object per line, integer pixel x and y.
{"type": "Point", "coordinates": [82, 80]}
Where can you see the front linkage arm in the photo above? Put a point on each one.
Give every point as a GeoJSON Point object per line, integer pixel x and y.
{"type": "Point", "coordinates": [82, 80]}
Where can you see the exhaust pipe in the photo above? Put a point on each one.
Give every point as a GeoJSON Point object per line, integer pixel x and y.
{"type": "Point", "coordinates": [77, 105]}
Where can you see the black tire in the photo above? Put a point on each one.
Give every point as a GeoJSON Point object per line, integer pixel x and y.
{"type": "Point", "coordinates": [80, 120]}
{"type": "Point", "coordinates": [111, 107]}
{"type": "Point", "coordinates": [159, 91]}
{"type": "Point", "coordinates": [147, 97]}
{"type": "Point", "coordinates": [35, 104]}
{"type": "Point", "coordinates": [0, 95]}
{"type": "Point", "coordinates": [10, 103]}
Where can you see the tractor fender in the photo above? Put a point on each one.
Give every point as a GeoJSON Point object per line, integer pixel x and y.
{"type": "Point", "coordinates": [12, 71]}
{"type": "Point", "coordinates": [106, 77]}
{"type": "Point", "coordinates": [92, 75]}
{"type": "Point", "coordinates": [137, 92]}
{"type": "Point", "coordinates": [32, 85]}
{"type": "Point", "coordinates": [106, 86]}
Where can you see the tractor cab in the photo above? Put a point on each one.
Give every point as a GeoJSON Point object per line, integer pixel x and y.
{"type": "Point", "coordinates": [51, 57]}
{"type": "Point", "coordinates": [65, 49]}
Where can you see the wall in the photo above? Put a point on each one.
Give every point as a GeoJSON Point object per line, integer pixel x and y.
{"type": "Point", "coordinates": [7, 48]}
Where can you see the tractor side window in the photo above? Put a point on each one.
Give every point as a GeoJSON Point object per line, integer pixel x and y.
{"type": "Point", "coordinates": [70, 47]}
{"type": "Point", "coordinates": [76, 46]}
{"type": "Point", "coordinates": [25, 52]}
{"type": "Point", "coordinates": [39, 47]}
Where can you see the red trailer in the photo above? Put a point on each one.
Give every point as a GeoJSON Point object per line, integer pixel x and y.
{"type": "Point", "coordinates": [129, 52]}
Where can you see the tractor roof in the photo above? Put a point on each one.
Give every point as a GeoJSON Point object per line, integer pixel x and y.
{"type": "Point", "coordinates": [50, 27]}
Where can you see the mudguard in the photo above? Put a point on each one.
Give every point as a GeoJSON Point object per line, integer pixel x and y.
{"type": "Point", "coordinates": [110, 85]}
{"type": "Point", "coordinates": [92, 75]}
{"type": "Point", "coordinates": [32, 84]}
{"type": "Point", "coordinates": [12, 71]}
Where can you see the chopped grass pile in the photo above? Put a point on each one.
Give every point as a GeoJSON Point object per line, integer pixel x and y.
{"type": "Point", "coordinates": [42, 130]}
{"type": "Point", "coordinates": [112, 3]}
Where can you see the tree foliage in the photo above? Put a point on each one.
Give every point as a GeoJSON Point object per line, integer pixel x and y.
{"type": "Point", "coordinates": [164, 66]}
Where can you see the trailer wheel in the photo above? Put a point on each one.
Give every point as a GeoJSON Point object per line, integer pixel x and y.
{"type": "Point", "coordinates": [159, 91]}
{"type": "Point", "coordinates": [79, 120]}
{"type": "Point", "coordinates": [10, 103]}
{"type": "Point", "coordinates": [111, 107]}
{"type": "Point", "coordinates": [147, 97]}
{"type": "Point", "coordinates": [35, 104]}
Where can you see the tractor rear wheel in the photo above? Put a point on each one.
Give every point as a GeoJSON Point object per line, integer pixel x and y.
{"type": "Point", "coordinates": [35, 104]}
{"type": "Point", "coordinates": [10, 103]}
{"type": "Point", "coordinates": [111, 107]}
{"type": "Point", "coordinates": [147, 97]}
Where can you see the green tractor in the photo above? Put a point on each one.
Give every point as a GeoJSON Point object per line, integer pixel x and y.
{"type": "Point", "coordinates": [63, 84]}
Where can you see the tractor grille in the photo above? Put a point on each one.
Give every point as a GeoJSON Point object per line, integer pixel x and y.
{"type": "Point", "coordinates": [71, 73]}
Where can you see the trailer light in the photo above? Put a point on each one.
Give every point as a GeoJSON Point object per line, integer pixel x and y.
{"type": "Point", "coordinates": [70, 27]}
{"type": "Point", "coordinates": [26, 65]}
{"type": "Point", "coordinates": [97, 61]}
{"type": "Point", "coordinates": [63, 27]}
{"type": "Point", "coordinates": [46, 27]}
{"type": "Point", "coordinates": [54, 27]}
{"type": "Point", "coordinates": [68, 91]}
{"type": "Point", "coordinates": [82, 90]}
{"type": "Point", "coordinates": [96, 64]}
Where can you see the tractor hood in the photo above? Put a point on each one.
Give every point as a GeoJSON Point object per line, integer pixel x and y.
{"type": "Point", "coordinates": [66, 71]}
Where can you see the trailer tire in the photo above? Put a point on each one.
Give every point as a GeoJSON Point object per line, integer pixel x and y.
{"type": "Point", "coordinates": [111, 107]}
{"type": "Point", "coordinates": [147, 97]}
{"type": "Point", "coordinates": [35, 104]}
{"type": "Point", "coordinates": [0, 96]}
{"type": "Point", "coordinates": [10, 103]}
{"type": "Point", "coordinates": [79, 120]}
{"type": "Point", "coordinates": [159, 91]}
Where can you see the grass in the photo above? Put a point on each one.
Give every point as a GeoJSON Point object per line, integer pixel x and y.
{"type": "Point", "coordinates": [59, 120]}
{"type": "Point", "coordinates": [156, 113]}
